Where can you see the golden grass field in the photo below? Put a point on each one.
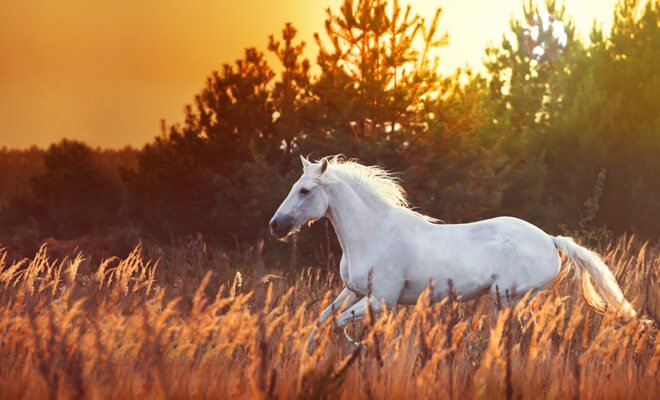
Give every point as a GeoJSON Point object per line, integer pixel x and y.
{"type": "Point", "coordinates": [190, 323]}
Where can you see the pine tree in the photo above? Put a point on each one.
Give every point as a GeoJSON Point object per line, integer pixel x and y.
{"type": "Point", "coordinates": [194, 178]}
{"type": "Point", "coordinates": [374, 77]}
{"type": "Point", "coordinates": [607, 119]}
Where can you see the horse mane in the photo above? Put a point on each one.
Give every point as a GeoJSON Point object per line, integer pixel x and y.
{"type": "Point", "coordinates": [381, 183]}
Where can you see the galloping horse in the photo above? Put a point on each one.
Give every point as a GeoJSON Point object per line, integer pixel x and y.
{"type": "Point", "coordinates": [393, 252]}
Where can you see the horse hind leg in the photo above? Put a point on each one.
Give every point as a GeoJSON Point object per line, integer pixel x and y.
{"type": "Point", "coordinates": [503, 296]}
{"type": "Point", "coordinates": [510, 298]}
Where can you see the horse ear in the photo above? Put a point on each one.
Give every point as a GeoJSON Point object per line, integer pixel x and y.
{"type": "Point", "coordinates": [305, 162]}
{"type": "Point", "coordinates": [324, 166]}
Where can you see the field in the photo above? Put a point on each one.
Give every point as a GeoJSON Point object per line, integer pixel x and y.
{"type": "Point", "coordinates": [192, 322]}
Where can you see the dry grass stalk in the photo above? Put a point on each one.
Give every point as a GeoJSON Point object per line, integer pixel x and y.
{"type": "Point", "coordinates": [128, 334]}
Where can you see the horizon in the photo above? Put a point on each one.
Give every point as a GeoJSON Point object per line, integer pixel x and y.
{"type": "Point", "coordinates": [106, 75]}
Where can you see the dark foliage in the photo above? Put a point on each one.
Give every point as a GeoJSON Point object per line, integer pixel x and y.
{"type": "Point", "coordinates": [72, 197]}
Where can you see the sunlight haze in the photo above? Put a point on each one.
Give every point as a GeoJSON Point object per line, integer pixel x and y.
{"type": "Point", "coordinates": [106, 72]}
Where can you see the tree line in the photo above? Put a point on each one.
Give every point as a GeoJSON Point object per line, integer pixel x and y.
{"type": "Point", "coordinates": [567, 142]}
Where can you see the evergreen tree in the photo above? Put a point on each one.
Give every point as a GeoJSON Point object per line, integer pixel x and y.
{"type": "Point", "coordinates": [607, 118]}
{"type": "Point", "coordinates": [523, 91]}
{"type": "Point", "coordinates": [72, 197]}
{"type": "Point", "coordinates": [593, 108]}
{"type": "Point", "coordinates": [381, 99]}
{"type": "Point", "coordinates": [194, 178]}
{"type": "Point", "coordinates": [374, 80]}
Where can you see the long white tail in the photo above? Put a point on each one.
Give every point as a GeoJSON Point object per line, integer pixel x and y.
{"type": "Point", "coordinates": [586, 260]}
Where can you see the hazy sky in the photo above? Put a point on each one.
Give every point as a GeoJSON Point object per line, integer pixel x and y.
{"type": "Point", "coordinates": [107, 71]}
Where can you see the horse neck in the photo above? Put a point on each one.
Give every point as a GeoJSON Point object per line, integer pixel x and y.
{"type": "Point", "coordinates": [356, 217]}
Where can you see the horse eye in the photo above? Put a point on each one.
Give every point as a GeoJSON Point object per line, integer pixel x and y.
{"type": "Point", "coordinates": [304, 191]}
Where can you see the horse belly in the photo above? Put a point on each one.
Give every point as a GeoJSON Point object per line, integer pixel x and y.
{"type": "Point", "coordinates": [441, 285]}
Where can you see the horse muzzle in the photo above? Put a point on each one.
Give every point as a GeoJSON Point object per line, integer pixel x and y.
{"type": "Point", "coordinates": [281, 225]}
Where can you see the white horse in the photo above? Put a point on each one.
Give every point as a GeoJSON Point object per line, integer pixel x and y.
{"type": "Point", "coordinates": [394, 252]}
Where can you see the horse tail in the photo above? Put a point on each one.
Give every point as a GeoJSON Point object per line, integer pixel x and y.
{"type": "Point", "coordinates": [589, 265]}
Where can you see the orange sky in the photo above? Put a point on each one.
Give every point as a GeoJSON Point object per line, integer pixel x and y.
{"type": "Point", "coordinates": [107, 71]}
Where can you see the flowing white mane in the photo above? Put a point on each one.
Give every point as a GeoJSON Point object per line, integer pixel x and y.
{"type": "Point", "coordinates": [379, 182]}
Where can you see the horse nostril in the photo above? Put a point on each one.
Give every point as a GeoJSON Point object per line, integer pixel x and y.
{"type": "Point", "coordinates": [273, 225]}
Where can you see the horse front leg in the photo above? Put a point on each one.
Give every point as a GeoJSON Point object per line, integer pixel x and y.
{"type": "Point", "coordinates": [346, 298]}
{"type": "Point", "coordinates": [358, 312]}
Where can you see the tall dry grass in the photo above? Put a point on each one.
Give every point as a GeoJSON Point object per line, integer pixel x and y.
{"type": "Point", "coordinates": [123, 329]}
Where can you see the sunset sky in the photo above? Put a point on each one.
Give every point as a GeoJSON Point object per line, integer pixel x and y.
{"type": "Point", "coordinates": [107, 71]}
